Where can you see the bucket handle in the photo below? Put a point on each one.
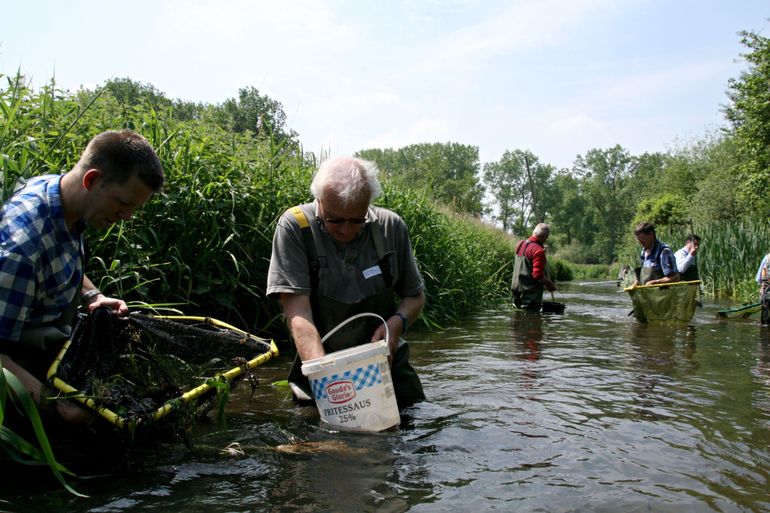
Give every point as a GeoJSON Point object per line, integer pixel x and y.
{"type": "Point", "coordinates": [364, 314]}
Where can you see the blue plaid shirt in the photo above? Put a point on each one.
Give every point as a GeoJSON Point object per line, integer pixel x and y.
{"type": "Point", "coordinates": [41, 262]}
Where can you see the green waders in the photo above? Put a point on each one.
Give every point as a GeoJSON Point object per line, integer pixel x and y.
{"type": "Point", "coordinates": [646, 274]}
{"type": "Point", "coordinates": [764, 291]}
{"type": "Point", "coordinates": [691, 274]}
{"type": "Point", "coordinates": [328, 313]}
{"type": "Point", "coordinates": [527, 293]}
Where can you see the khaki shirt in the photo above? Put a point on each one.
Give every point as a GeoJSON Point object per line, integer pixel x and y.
{"type": "Point", "coordinates": [351, 272]}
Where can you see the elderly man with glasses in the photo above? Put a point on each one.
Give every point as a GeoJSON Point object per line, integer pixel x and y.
{"type": "Point", "coordinates": [340, 256]}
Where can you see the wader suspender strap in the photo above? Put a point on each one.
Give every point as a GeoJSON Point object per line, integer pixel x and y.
{"type": "Point", "coordinates": [307, 236]}
{"type": "Point", "coordinates": [312, 257]}
{"type": "Point", "coordinates": [379, 244]}
{"type": "Point", "coordinates": [526, 243]}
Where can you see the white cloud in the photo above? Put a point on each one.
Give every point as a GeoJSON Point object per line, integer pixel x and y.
{"type": "Point", "coordinates": [572, 124]}
{"type": "Point", "coordinates": [420, 130]}
{"type": "Point", "coordinates": [653, 86]}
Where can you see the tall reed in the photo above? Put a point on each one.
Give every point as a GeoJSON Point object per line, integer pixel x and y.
{"type": "Point", "coordinates": [729, 256]}
{"type": "Point", "coordinates": [205, 242]}
{"type": "Point", "coordinates": [465, 264]}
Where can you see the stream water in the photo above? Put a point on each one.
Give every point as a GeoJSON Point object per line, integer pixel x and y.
{"type": "Point", "coordinates": [585, 411]}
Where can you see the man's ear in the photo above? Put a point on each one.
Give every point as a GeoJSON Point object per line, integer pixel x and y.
{"type": "Point", "coordinates": [90, 178]}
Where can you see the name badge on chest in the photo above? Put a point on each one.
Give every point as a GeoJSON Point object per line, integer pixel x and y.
{"type": "Point", "coordinates": [372, 271]}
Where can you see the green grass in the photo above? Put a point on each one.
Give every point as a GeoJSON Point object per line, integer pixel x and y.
{"type": "Point", "coordinates": [592, 272]}
{"type": "Point", "coordinates": [729, 255]}
{"type": "Point", "coordinates": [205, 242]}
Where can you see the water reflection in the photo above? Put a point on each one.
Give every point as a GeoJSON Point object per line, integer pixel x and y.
{"type": "Point", "coordinates": [662, 348]}
{"type": "Point", "coordinates": [761, 374]}
{"type": "Point", "coordinates": [527, 335]}
{"type": "Point", "coordinates": [347, 478]}
{"type": "Point", "coordinates": [658, 351]}
{"type": "Point", "coordinates": [762, 368]}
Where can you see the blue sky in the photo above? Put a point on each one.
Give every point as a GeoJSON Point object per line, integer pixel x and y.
{"type": "Point", "coordinates": [556, 77]}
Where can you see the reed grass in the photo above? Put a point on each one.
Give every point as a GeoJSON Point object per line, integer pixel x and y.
{"type": "Point", "coordinates": [205, 241]}
{"type": "Point", "coordinates": [465, 263]}
{"type": "Point", "coordinates": [729, 256]}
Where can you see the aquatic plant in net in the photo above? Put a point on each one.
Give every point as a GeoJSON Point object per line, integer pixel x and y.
{"type": "Point", "coordinates": [139, 368]}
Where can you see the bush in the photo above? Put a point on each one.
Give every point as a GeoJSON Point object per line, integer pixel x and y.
{"type": "Point", "coordinates": [560, 270]}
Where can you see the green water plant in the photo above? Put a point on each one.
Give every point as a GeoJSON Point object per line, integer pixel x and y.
{"type": "Point", "coordinates": [17, 448]}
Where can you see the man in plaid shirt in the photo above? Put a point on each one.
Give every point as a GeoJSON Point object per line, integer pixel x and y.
{"type": "Point", "coordinates": [42, 277]}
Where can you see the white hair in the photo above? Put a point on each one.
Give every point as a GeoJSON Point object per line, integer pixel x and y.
{"type": "Point", "coordinates": [350, 179]}
{"type": "Point", "coordinates": [542, 230]}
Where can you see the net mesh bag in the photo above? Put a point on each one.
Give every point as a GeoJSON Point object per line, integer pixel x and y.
{"type": "Point", "coordinates": [133, 365]}
{"type": "Point", "coordinates": [668, 302]}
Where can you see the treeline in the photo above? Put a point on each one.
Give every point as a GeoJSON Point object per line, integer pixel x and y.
{"type": "Point", "coordinates": [593, 204]}
{"type": "Point", "coordinates": [715, 186]}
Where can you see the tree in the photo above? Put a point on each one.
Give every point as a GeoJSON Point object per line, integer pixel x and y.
{"type": "Point", "coordinates": [567, 211]}
{"type": "Point", "coordinates": [130, 93]}
{"type": "Point", "coordinates": [504, 180]}
{"type": "Point", "coordinates": [749, 115]}
{"type": "Point", "coordinates": [716, 199]}
{"type": "Point", "coordinates": [667, 209]}
{"type": "Point", "coordinates": [520, 185]}
{"type": "Point", "coordinates": [445, 172]}
{"type": "Point", "coordinates": [606, 175]}
{"type": "Point", "coordinates": [258, 114]}
{"type": "Point", "coordinates": [540, 183]}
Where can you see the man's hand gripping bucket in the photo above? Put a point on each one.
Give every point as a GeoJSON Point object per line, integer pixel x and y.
{"type": "Point", "coordinates": [353, 388]}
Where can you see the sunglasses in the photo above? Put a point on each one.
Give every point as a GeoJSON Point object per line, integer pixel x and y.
{"type": "Point", "coordinates": [340, 220]}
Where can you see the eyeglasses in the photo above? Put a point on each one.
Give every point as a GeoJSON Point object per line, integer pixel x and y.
{"type": "Point", "coordinates": [340, 220]}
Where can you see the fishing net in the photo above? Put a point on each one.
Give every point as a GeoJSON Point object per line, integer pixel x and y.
{"type": "Point", "coordinates": [140, 367]}
{"type": "Point", "coordinates": [666, 302]}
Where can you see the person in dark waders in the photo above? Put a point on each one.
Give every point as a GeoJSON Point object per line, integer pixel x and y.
{"type": "Point", "coordinates": [530, 274]}
{"type": "Point", "coordinates": [340, 256]}
{"type": "Point", "coordinates": [658, 264]}
{"type": "Point", "coordinates": [687, 259]}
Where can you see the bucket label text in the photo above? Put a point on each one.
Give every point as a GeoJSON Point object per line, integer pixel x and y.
{"type": "Point", "coordinates": [347, 408]}
{"type": "Point", "coordinates": [340, 391]}
{"type": "Point", "coordinates": [355, 380]}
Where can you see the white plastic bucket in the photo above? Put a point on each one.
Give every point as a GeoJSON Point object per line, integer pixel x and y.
{"type": "Point", "coordinates": [353, 388]}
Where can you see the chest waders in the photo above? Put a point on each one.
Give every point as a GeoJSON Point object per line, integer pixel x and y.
{"type": "Point", "coordinates": [527, 292]}
{"type": "Point", "coordinates": [643, 275]}
{"type": "Point", "coordinates": [329, 312]}
{"type": "Point", "coordinates": [649, 273]}
{"type": "Point", "coordinates": [691, 274]}
{"type": "Point", "coordinates": [654, 272]}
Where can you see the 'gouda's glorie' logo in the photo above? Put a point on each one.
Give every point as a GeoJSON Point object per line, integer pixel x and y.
{"type": "Point", "coordinates": [340, 391]}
